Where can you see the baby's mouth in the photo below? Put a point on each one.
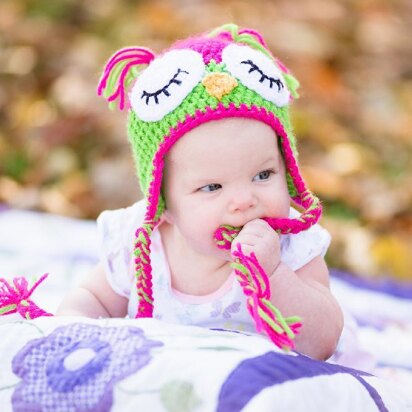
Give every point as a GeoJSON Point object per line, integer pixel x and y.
{"type": "Point", "coordinates": [225, 234]}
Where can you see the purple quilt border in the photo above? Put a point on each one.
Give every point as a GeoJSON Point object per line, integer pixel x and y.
{"type": "Point", "coordinates": [385, 285]}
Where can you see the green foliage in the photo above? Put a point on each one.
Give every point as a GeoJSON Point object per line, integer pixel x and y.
{"type": "Point", "coordinates": [15, 164]}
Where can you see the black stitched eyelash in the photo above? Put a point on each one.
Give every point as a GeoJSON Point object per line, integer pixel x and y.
{"type": "Point", "coordinates": [254, 67]}
{"type": "Point", "coordinates": [164, 90]}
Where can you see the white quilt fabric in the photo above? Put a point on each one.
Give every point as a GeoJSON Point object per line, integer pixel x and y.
{"type": "Point", "coordinates": [78, 364]}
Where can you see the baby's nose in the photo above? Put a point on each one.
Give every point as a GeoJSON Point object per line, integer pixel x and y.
{"type": "Point", "coordinates": [242, 201]}
{"type": "Point", "coordinates": [219, 84]}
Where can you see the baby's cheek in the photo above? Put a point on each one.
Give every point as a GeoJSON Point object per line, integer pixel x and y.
{"type": "Point", "coordinates": [202, 239]}
{"type": "Point", "coordinates": [278, 201]}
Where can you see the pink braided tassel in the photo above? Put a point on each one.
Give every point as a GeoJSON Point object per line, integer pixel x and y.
{"type": "Point", "coordinates": [15, 298]}
{"type": "Point", "coordinates": [255, 284]}
{"type": "Point", "coordinates": [143, 274]}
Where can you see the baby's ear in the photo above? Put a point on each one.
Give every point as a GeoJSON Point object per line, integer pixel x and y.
{"type": "Point", "coordinates": [167, 216]}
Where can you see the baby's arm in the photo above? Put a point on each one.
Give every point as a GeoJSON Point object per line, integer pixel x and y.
{"type": "Point", "coordinates": [304, 293]}
{"type": "Point", "coordinates": [94, 298]}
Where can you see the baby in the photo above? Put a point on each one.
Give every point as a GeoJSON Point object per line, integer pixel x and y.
{"type": "Point", "coordinates": [216, 156]}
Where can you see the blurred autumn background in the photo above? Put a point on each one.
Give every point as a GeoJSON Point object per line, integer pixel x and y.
{"type": "Point", "coordinates": [63, 152]}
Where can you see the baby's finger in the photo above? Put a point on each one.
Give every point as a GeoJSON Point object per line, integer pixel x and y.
{"type": "Point", "coordinates": [258, 227]}
{"type": "Point", "coordinates": [248, 238]}
{"type": "Point", "coordinates": [246, 249]}
{"type": "Point", "coordinates": [249, 242]}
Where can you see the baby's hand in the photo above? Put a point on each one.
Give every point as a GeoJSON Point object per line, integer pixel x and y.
{"type": "Point", "coordinates": [258, 237]}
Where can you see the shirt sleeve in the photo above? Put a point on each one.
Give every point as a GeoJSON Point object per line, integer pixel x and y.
{"type": "Point", "coordinates": [116, 229]}
{"type": "Point", "coordinates": [299, 249]}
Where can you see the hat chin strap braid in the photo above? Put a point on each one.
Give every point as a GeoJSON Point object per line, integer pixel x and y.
{"type": "Point", "coordinates": [143, 267]}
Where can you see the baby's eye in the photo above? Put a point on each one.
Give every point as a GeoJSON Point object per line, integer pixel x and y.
{"type": "Point", "coordinates": [264, 175]}
{"type": "Point", "coordinates": [165, 83]}
{"type": "Point", "coordinates": [258, 72]}
{"type": "Point", "coordinates": [210, 188]}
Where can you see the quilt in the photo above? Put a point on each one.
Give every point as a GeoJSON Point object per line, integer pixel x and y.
{"type": "Point", "coordinates": [79, 364]}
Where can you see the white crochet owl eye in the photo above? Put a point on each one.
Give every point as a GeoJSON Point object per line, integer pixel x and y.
{"type": "Point", "coordinates": [165, 83]}
{"type": "Point", "coordinates": [257, 72]}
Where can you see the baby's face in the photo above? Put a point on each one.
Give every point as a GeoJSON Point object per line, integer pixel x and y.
{"type": "Point", "coordinates": [228, 171]}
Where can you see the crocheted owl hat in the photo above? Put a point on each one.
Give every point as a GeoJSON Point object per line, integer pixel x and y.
{"type": "Point", "coordinates": [227, 72]}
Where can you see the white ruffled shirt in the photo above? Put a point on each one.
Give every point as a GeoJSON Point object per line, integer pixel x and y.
{"type": "Point", "coordinates": [224, 308]}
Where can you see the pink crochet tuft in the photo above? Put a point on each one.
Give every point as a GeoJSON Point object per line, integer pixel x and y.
{"type": "Point", "coordinates": [255, 34]}
{"type": "Point", "coordinates": [15, 298]}
{"type": "Point", "coordinates": [124, 60]}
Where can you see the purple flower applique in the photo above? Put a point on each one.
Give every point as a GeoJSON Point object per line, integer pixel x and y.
{"type": "Point", "coordinates": [127, 254]}
{"type": "Point", "coordinates": [225, 312]}
{"type": "Point", "coordinates": [76, 367]}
